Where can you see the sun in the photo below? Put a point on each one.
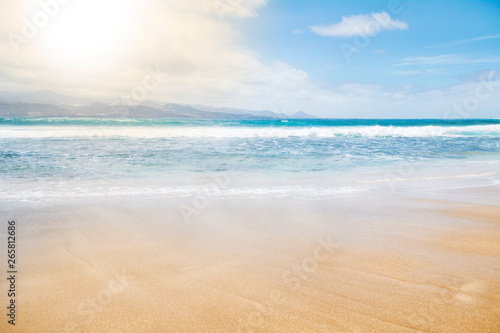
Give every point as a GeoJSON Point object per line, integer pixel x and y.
{"type": "Point", "coordinates": [88, 33]}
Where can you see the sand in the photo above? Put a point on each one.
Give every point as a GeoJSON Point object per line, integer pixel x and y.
{"type": "Point", "coordinates": [392, 264]}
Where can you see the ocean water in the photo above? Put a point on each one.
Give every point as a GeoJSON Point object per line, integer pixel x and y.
{"type": "Point", "coordinates": [73, 158]}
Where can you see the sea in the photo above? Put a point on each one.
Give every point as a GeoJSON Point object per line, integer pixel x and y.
{"type": "Point", "coordinates": [50, 159]}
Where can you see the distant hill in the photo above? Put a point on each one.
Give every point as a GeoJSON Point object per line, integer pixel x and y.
{"type": "Point", "coordinates": [302, 115]}
{"type": "Point", "coordinates": [43, 97]}
{"type": "Point", "coordinates": [51, 104]}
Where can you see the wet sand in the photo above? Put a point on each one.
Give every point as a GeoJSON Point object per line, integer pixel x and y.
{"type": "Point", "coordinates": [394, 263]}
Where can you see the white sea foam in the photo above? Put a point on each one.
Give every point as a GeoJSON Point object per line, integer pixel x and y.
{"type": "Point", "coordinates": [408, 179]}
{"type": "Point", "coordinates": [245, 132]}
{"type": "Point", "coordinates": [43, 194]}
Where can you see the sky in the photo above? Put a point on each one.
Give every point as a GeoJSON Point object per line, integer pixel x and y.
{"type": "Point", "coordinates": [343, 59]}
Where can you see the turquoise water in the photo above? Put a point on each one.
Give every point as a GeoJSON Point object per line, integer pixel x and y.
{"type": "Point", "coordinates": [250, 123]}
{"type": "Point", "coordinates": [44, 158]}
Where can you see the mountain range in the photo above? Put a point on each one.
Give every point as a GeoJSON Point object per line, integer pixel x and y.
{"type": "Point", "coordinates": [51, 104]}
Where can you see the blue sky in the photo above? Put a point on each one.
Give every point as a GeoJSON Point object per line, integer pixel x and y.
{"type": "Point", "coordinates": [344, 59]}
{"type": "Point", "coordinates": [435, 29]}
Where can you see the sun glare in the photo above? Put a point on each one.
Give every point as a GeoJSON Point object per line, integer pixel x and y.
{"type": "Point", "coordinates": [88, 34]}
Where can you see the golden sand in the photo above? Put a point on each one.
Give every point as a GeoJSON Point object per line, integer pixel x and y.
{"type": "Point", "coordinates": [113, 268]}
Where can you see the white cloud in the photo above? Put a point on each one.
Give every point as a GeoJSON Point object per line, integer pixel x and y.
{"type": "Point", "coordinates": [445, 59]}
{"type": "Point", "coordinates": [464, 41]}
{"type": "Point", "coordinates": [415, 72]}
{"type": "Point", "coordinates": [201, 53]}
{"type": "Point", "coordinates": [360, 25]}
{"type": "Point", "coordinates": [205, 61]}
{"type": "Point", "coordinates": [476, 96]}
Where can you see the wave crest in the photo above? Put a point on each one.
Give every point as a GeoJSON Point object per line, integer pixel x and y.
{"type": "Point", "coordinates": [247, 132]}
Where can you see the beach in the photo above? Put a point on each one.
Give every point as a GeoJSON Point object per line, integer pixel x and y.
{"type": "Point", "coordinates": [248, 166]}
{"type": "Point", "coordinates": [263, 234]}
{"type": "Point", "coordinates": [395, 265]}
